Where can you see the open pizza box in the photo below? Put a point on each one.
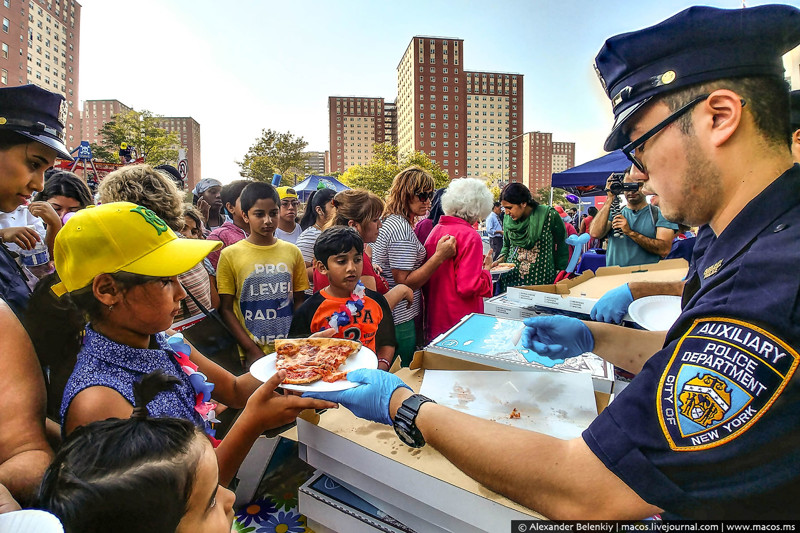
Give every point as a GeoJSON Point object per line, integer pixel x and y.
{"type": "Point", "coordinates": [578, 295]}
{"type": "Point", "coordinates": [418, 487]}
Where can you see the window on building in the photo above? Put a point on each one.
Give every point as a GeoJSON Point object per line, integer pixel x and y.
{"type": "Point", "coordinates": [6, 24]}
{"type": "Point", "coordinates": [4, 77]}
{"type": "Point", "coordinates": [5, 50]}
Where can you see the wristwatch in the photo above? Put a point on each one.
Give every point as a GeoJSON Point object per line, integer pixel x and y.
{"type": "Point", "coordinates": [405, 421]}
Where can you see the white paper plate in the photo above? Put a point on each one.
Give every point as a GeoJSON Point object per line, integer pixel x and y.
{"type": "Point", "coordinates": [264, 368]}
{"type": "Point", "coordinates": [499, 270]}
{"type": "Point", "coordinates": [29, 520]}
{"type": "Point", "coordinates": [656, 313]}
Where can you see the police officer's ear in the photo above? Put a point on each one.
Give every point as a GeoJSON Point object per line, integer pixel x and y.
{"type": "Point", "coordinates": [720, 115]}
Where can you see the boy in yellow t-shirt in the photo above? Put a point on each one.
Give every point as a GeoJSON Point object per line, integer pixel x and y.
{"type": "Point", "coordinates": [260, 279]}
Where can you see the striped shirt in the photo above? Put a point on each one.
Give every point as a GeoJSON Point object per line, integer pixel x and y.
{"type": "Point", "coordinates": [306, 242]}
{"type": "Point", "coordinates": [398, 247]}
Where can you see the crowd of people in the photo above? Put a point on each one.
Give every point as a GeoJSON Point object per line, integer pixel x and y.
{"type": "Point", "coordinates": [114, 418]}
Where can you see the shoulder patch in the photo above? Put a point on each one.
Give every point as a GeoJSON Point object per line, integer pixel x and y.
{"type": "Point", "coordinates": [722, 377]}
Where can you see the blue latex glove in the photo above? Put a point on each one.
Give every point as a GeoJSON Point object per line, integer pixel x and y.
{"type": "Point", "coordinates": [370, 400]}
{"type": "Point", "coordinates": [555, 338]}
{"type": "Point", "coordinates": [613, 305]}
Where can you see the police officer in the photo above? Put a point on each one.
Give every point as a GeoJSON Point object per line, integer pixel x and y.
{"type": "Point", "coordinates": [710, 426]}
{"type": "Point", "coordinates": [31, 136]}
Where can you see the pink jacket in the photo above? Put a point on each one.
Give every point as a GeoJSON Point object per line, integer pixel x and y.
{"type": "Point", "coordinates": [458, 286]}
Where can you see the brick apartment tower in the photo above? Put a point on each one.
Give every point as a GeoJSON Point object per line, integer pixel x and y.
{"type": "Point", "coordinates": [390, 122]}
{"type": "Point", "coordinates": [431, 102]}
{"type": "Point", "coordinates": [494, 116]}
{"type": "Point", "coordinates": [316, 163]}
{"type": "Point", "coordinates": [40, 44]}
{"type": "Point", "coordinates": [95, 114]}
{"type": "Point", "coordinates": [355, 125]}
{"type": "Point", "coordinates": [188, 131]}
{"type": "Point", "coordinates": [542, 157]}
{"type": "Point", "coordinates": [563, 156]}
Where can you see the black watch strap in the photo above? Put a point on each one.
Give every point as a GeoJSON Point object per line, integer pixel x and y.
{"type": "Point", "coordinates": [405, 421]}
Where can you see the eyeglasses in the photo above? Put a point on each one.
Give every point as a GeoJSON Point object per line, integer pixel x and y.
{"type": "Point", "coordinates": [632, 146]}
{"type": "Point", "coordinates": [424, 196]}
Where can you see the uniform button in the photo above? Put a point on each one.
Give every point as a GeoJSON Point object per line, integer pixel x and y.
{"type": "Point", "coordinates": [779, 227]}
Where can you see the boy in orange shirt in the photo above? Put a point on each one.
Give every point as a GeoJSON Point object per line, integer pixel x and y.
{"type": "Point", "coordinates": [356, 312]}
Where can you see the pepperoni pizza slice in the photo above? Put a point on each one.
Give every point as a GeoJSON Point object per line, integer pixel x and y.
{"type": "Point", "coordinates": [308, 360]}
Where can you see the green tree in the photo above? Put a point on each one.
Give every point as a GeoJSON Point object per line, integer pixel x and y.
{"type": "Point", "coordinates": [142, 132]}
{"type": "Point", "coordinates": [559, 196]}
{"type": "Point", "coordinates": [273, 153]}
{"type": "Point", "coordinates": [377, 175]}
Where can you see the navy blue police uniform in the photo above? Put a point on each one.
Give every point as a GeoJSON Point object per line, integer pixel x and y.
{"type": "Point", "coordinates": [39, 115]}
{"type": "Point", "coordinates": [710, 428]}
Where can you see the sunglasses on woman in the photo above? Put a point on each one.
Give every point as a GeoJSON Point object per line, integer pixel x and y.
{"type": "Point", "coordinates": [424, 196]}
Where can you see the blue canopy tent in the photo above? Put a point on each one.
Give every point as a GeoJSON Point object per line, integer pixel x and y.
{"type": "Point", "coordinates": [310, 184]}
{"type": "Point", "coordinates": [589, 179]}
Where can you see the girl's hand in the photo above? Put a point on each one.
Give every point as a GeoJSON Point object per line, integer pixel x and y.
{"type": "Point", "coordinates": [23, 236]}
{"type": "Point", "coordinates": [46, 212]}
{"type": "Point", "coordinates": [7, 501]}
{"type": "Point", "coordinates": [273, 410]}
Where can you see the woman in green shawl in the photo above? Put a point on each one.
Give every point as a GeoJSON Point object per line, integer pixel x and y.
{"type": "Point", "coordinates": [533, 239]}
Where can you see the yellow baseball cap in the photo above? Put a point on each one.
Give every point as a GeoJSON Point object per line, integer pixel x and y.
{"type": "Point", "coordinates": [121, 236]}
{"type": "Point", "coordinates": [286, 192]}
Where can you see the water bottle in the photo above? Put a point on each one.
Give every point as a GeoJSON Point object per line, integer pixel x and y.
{"type": "Point", "coordinates": [35, 257]}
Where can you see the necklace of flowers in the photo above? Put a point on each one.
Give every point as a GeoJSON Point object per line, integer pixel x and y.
{"type": "Point", "coordinates": [347, 310]}
{"type": "Point", "coordinates": [202, 388]}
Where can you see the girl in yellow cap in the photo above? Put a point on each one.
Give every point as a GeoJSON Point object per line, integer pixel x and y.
{"type": "Point", "coordinates": [118, 264]}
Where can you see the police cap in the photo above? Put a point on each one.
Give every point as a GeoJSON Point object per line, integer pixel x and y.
{"type": "Point", "coordinates": [35, 113]}
{"type": "Point", "coordinates": [698, 45]}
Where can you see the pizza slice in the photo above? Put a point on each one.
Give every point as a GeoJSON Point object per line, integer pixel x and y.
{"type": "Point", "coordinates": [308, 360]}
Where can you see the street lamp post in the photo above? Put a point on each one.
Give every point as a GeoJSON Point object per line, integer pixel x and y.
{"type": "Point", "coordinates": [502, 152]}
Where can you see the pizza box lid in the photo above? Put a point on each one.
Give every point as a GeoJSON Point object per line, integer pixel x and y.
{"type": "Point", "coordinates": [581, 293]}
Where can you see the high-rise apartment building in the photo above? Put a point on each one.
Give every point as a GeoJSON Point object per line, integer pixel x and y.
{"type": "Point", "coordinates": [563, 156]}
{"type": "Point", "coordinates": [188, 131]}
{"type": "Point", "coordinates": [390, 123]}
{"type": "Point", "coordinates": [537, 160]}
{"type": "Point", "coordinates": [431, 102]}
{"type": "Point", "coordinates": [542, 157]}
{"type": "Point", "coordinates": [40, 44]}
{"type": "Point", "coordinates": [494, 125]}
{"type": "Point", "coordinates": [356, 125]}
{"type": "Point", "coordinates": [95, 114]}
{"type": "Point", "coordinates": [316, 163]}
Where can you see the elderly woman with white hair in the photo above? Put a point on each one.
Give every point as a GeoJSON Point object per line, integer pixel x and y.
{"type": "Point", "coordinates": [458, 286]}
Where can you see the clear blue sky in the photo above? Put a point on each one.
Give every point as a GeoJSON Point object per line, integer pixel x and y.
{"type": "Point", "coordinates": [240, 66]}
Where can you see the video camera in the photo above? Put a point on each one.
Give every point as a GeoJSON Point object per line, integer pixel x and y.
{"type": "Point", "coordinates": [617, 186]}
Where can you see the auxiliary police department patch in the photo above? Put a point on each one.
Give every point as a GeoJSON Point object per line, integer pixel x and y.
{"type": "Point", "coordinates": [723, 375]}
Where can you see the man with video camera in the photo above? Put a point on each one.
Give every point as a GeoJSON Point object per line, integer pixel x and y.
{"type": "Point", "coordinates": [637, 233]}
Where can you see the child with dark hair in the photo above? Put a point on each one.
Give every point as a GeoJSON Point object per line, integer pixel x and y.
{"type": "Point", "coordinates": [66, 192]}
{"type": "Point", "coordinates": [260, 279]}
{"type": "Point", "coordinates": [235, 229]}
{"type": "Point", "coordinates": [136, 474]}
{"type": "Point", "coordinates": [345, 305]}
{"type": "Point", "coordinates": [118, 265]}
{"type": "Point", "coordinates": [318, 211]}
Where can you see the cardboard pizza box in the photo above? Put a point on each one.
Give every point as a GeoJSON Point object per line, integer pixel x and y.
{"type": "Point", "coordinates": [578, 295]}
{"type": "Point", "coordinates": [490, 342]}
{"type": "Point", "coordinates": [418, 487]}
{"type": "Point", "coordinates": [504, 307]}
{"type": "Point", "coordinates": [331, 505]}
